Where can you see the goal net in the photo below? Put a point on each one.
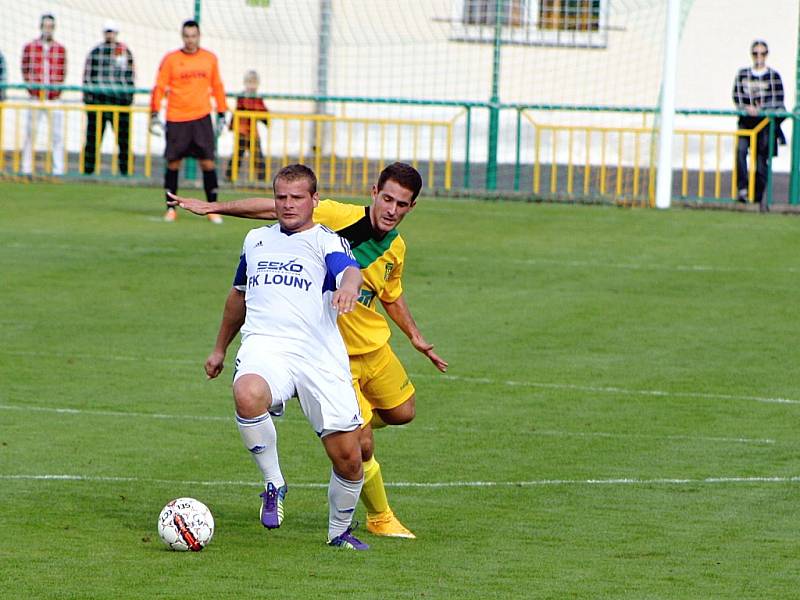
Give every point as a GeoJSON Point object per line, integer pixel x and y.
{"type": "Point", "coordinates": [433, 81]}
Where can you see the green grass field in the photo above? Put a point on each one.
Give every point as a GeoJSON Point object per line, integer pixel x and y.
{"type": "Point", "coordinates": [619, 419]}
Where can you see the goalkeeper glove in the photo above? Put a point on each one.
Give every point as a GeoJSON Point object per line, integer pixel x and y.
{"type": "Point", "coordinates": [156, 126]}
{"type": "Point", "coordinates": [219, 124]}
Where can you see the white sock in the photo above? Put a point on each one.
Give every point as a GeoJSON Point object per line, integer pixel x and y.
{"type": "Point", "coordinates": [342, 499]}
{"type": "Point", "coordinates": [261, 439]}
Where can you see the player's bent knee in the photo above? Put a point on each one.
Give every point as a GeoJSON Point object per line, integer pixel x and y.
{"type": "Point", "coordinates": [367, 442]}
{"type": "Point", "coordinates": [410, 412]}
{"type": "Point", "coordinates": [252, 396]}
{"type": "Point", "coordinates": [350, 469]}
{"type": "Point", "coordinates": [400, 415]}
{"type": "Point", "coordinates": [250, 408]}
{"type": "Point", "coordinates": [344, 450]}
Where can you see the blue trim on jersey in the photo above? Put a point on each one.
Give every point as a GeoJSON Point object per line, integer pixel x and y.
{"type": "Point", "coordinates": [336, 263]}
{"type": "Point", "coordinates": [339, 261]}
{"type": "Point", "coordinates": [240, 279]}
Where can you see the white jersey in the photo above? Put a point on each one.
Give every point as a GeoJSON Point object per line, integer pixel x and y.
{"type": "Point", "coordinates": [289, 280]}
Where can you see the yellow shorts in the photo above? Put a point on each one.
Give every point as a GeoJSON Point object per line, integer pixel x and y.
{"type": "Point", "coordinates": [380, 381]}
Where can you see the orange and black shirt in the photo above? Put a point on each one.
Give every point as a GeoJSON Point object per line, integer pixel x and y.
{"type": "Point", "coordinates": [188, 81]}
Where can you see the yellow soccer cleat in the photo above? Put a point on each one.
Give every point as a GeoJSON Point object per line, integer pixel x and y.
{"type": "Point", "coordinates": [171, 215]}
{"type": "Point", "coordinates": [387, 525]}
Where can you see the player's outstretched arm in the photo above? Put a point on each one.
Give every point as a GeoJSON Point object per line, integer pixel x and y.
{"type": "Point", "coordinates": [232, 320]}
{"type": "Point", "coordinates": [399, 312]}
{"type": "Point", "coordinates": [345, 298]}
{"type": "Point", "coordinates": [248, 208]}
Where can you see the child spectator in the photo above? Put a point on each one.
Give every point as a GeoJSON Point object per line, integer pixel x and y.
{"type": "Point", "coordinates": [246, 128]}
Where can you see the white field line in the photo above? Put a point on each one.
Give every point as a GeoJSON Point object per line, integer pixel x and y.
{"type": "Point", "coordinates": [606, 389]}
{"type": "Point", "coordinates": [635, 266]}
{"type": "Point", "coordinates": [422, 484]}
{"type": "Point", "coordinates": [113, 413]}
{"type": "Point", "coordinates": [555, 262]}
{"type": "Point", "coordinates": [112, 357]}
{"type": "Point", "coordinates": [641, 436]}
{"type": "Point", "coordinates": [480, 380]}
{"type": "Point", "coordinates": [549, 433]}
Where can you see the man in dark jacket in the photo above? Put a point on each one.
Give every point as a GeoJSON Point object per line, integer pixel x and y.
{"type": "Point", "coordinates": [2, 76]}
{"type": "Point", "coordinates": [108, 79]}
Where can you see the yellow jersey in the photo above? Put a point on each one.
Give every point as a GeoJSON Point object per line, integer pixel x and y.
{"type": "Point", "coordinates": [381, 261]}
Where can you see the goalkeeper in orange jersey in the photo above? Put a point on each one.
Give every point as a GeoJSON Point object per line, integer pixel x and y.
{"type": "Point", "coordinates": [384, 390]}
{"type": "Point", "coordinates": [187, 78]}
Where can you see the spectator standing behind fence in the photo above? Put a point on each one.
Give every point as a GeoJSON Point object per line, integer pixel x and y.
{"type": "Point", "coordinates": [2, 89]}
{"type": "Point", "coordinates": [44, 62]}
{"type": "Point", "coordinates": [248, 137]}
{"type": "Point", "coordinates": [757, 89]}
{"type": "Point", "coordinates": [109, 73]}
{"type": "Point", "coordinates": [2, 77]}
{"type": "Point", "coordinates": [187, 78]}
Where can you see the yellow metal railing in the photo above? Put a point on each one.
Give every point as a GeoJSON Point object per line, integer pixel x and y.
{"type": "Point", "coordinates": [605, 169]}
{"type": "Point", "coordinates": [73, 137]}
{"type": "Point", "coordinates": [568, 161]}
{"type": "Point", "coordinates": [345, 152]}
{"type": "Point", "coordinates": [117, 113]}
{"type": "Point", "coordinates": [340, 149]}
{"type": "Point", "coordinates": [619, 163]}
{"type": "Point", "coordinates": [751, 177]}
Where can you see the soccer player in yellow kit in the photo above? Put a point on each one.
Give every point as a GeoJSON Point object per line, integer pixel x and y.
{"type": "Point", "coordinates": [385, 392]}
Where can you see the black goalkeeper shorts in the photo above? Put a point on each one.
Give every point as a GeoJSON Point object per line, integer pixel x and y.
{"type": "Point", "coordinates": [190, 139]}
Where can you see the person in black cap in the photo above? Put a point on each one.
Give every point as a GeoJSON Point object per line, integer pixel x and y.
{"type": "Point", "coordinates": [108, 78]}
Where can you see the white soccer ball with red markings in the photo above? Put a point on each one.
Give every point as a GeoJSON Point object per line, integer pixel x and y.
{"type": "Point", "coordinates": [186, 524]}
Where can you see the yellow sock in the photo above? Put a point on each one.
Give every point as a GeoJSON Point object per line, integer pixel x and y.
{"type": "Point", "coordinates": [373, 494]}
{"type": "Point", "coordinates": [376, 421]}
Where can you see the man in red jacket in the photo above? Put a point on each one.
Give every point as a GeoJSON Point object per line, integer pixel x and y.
{"type": "Point", "coordinates": [44, 62]}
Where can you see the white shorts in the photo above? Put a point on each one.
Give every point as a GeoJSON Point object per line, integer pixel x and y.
{"type": "Point", "coordinates": [324, 389]}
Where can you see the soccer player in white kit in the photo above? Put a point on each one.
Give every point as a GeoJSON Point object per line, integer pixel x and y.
{"type": "Point", "coordinates": [294, 278]}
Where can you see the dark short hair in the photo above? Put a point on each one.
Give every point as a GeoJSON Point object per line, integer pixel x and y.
{"type": "Point", "coordinates": [759, 43]}
{"type": "Point", "coordinates": [405, 175]}
{"type": "Point", "coordinates": [297, 172]}
{"type": "Point", "coordinates": [46, 16]}
{"type": "Point", "coordinates": [190, 23]}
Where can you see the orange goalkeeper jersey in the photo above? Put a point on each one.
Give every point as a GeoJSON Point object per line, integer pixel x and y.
{"type": "Point", "coordinates": [188, 81]}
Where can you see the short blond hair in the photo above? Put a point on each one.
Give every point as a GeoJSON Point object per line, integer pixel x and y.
{"type": "Point", "coordinates": [297, 172]}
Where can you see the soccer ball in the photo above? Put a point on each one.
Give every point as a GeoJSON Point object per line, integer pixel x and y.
{"type": "Point", "coordinates": [186, 524]}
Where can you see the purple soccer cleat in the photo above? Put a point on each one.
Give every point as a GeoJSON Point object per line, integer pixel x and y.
{"type": "Point", "coordinates": [272, 506]}
{"type": "Point", "coordinates": [348, 541]}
